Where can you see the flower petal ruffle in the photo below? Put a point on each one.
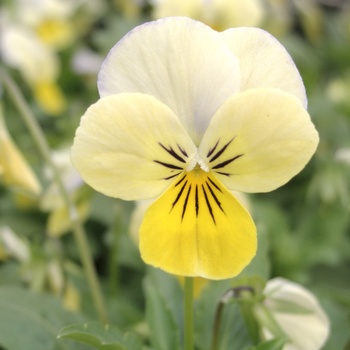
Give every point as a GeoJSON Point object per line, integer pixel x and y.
{"type": "Point", "coordinates": [198, 228]}
{"type": "Point", "coordinates": [268, 138]}
{"type": "Point", "coordinates": [130, 146]}
{"type": "Point", "coordinates": [264, 62]}
{"type": "Point", "coordinates": [182, 62]}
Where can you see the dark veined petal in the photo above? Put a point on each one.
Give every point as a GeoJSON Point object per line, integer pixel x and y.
{"type": "Point", "coordinates": [258, 140]}
{"type": "Point", "coordinates": [130, 146]}
{"type": "Point", "coordinates": [198, 228]}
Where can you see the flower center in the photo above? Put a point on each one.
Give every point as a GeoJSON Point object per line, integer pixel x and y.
{"type": "Point", "coordinates": [197, 163]}
{"type": "Point", "coordinates": [196, 192]}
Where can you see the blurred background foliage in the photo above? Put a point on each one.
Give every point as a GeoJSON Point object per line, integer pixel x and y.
{"type": "Point", "coordinates": [53, 51]}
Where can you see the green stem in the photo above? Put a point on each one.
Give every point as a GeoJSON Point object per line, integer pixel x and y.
{"type": "Point", "coordinates": [188, 314]}
{"type": "Point", "coordinates": [217, 323]}
{"type": "Point", "coordinates": [226, 297]}
{"type": "Point", "coordinates": [113, 267]}
{"type": "Point", "coordinates": [231, 294]}
{"type": "Point", "coordinates": [78, 230]}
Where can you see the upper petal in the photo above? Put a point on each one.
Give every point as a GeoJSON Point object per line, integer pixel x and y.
{"type": "Point", "coordinates": [130, 146]}
{"type": "Point", "coordinates": [258, 140]}
{"type": "Point", "coordinates": [264, 62]}
{"type": "Point", "coordinates": [181, 62]}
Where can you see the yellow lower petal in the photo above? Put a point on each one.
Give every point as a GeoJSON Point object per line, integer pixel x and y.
{"type": "Point", "coordinates": [198, 228]}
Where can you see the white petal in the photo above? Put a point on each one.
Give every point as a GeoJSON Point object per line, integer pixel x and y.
{"type": "Point", "coordinates": [181, 62]}
{"type": "Point", "coordinates": [264, 62]}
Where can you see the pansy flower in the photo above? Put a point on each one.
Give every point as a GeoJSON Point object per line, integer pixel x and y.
{"type": "Point", "coordinates": [186, 115]}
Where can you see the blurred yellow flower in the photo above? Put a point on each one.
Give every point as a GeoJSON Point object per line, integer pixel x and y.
{"type": "Point", "coordinates": [33, 32]}
{"type": "Point", "coordinates": [218, 14]}
{"type": "Point", "coordinates": [50, 20]}
{"type": "Point", "coordinates": [14, 169]}
{"type": "Point", "coordinates": [298, 313]}
{"type": "Point", "coordinates": [189, 114]}
{"type": "Point", "coordinates": [56, 33]}
{"type": "Point", "coordinates": [281, 15]}
{"type": "Point", "coordinates": [71, 297]}
{"type": "Point", "coordinates": [39, 66]}
{"type": "Point", "coordinates": [49, 95]}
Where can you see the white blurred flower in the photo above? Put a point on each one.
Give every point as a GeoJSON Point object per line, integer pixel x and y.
{"type": "Point", "coordinates": [298, 313]}
{"type": "Point", "coordinates": [21, 49]}
{"type": "Point", "coordinates": [59, 220]}
{"type": "Point", "coordinates": [343, 155]}
{"type": "Point", "coordinates": [85, 61]}
{"type": "Point", "coordinates": [52, 198]}
{"type": "Point", "coordinates": [14, 246]}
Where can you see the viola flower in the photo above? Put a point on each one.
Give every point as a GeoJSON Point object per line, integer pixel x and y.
{"type": "Point", "coordinates": [186, 115]}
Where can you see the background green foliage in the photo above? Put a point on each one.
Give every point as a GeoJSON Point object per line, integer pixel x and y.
{"type": "Point", "coordinates": [303, 227]}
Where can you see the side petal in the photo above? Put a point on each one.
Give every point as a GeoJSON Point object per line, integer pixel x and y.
{"type": "Point", "coordinates": [264, 62]}
{"type": "Point", "coordinates": [198, 228]}
{"type": "Point", "coordinates": [181, 62]}
{"type": "Point", "coordinates": [258, 140]}
{"type": "Point", "coordinates": [130, 146]}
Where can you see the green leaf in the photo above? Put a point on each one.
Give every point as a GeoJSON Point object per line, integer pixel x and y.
{"type": "Point", "coordinates": [29, 320]}
{"type": "Point", "coordinates": [162, 293]}
{"type": "Point", "coordinates": [102, 337]}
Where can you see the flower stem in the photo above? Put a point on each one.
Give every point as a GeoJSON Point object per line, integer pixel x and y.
{"type": "Point", "coordinates": [217, 323]}
{"type": "Point", "coordinates": [78, 230]}
{"type": "Point", "coordinates": [113, 266]}
{"type": "Point", "coordinates": [188, 314]}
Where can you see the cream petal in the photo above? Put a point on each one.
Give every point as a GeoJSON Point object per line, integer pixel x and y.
{"type": "Point", "coordinates": [264, 62]}
{"type": "Point", "coordinates": [258, 140]}
{"type": "Point", "coordinates": [130, 146]}
{"type": "Point", "coordinates": [181, 62]}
